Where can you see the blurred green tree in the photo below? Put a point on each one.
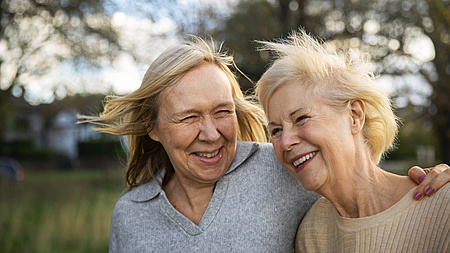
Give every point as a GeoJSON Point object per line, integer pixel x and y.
{"type": "Point", "coordinates": [191, 17]}
{"type": "Point", "coordinates": [251, 20]}
{"type": "Point", "coordinates": [404, 38]}
{"type": "Point", "coordinates": [37, 36]}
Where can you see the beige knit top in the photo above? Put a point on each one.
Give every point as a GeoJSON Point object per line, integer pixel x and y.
{"type": "Point", "coordinates": [407, 226]}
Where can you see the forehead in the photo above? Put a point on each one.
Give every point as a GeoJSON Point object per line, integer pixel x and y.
{"type": "Point", "coordinates": [205, 85]}
{"type": "Point", "coordinates": [294, 91]}
{"type": "Point", "coordinates": [290, 97]}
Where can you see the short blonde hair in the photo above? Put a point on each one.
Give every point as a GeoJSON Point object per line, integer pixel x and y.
{"type": "Point", "coordinates": [303, 59]}
{"type": "Point", "coordinates": [135, 114]}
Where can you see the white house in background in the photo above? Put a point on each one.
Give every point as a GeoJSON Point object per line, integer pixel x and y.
{"type": "Point", "coordinates": [64, 134]}
{"type": "Point", "coordinates": [51, 126]}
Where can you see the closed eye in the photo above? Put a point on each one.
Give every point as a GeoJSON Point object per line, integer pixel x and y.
{"type": "Point", "coordinates": [301, 118]}
{"type": "Point", "coordinates": [223, 113]}
{"type": "Point", "coordinates": [188, 118]}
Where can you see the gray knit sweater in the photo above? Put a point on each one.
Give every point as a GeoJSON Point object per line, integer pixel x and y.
{"type": "Point", "coordinates": [256, 207]}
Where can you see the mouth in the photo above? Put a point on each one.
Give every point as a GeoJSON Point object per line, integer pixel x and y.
{"type": "Point", "coordinates": [208, 154]}
{"type": "Point", "coordinates": [301, 162]}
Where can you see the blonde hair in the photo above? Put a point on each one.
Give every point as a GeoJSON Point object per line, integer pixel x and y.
{"type": "Point", "coordinates": [135, 114]}
{"type": "Point", "coordinates": [303, 59]}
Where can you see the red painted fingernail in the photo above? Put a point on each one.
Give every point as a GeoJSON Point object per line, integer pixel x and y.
{"type": "Point", "coordinates": [417, 196]}
{"type": "Point", "coordinates": [429, 191]}
{"type": "Point", "coordinates": [421, 178]}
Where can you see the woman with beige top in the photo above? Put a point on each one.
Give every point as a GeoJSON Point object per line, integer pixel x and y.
{"type": "Point", "coordinates": [330, 125]}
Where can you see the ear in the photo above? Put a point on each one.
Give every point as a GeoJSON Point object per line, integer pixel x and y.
{"type": "Point", "coordinates": [358, 115]}
{"type": "Point", "coordinates": [151, 131]}
{"type": "Point", "coordinates": [152, 134]}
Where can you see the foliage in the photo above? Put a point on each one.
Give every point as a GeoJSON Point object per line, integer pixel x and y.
{"type": "Point", "coordinates": [392, 33]}
{"type": "Point", "coordinates": [58, 211]}
{"type": "Point", "coordinates": [241, 31]}
{"type": "Point", "coordinates": [101, 148]}
{"type": "Point", "coordinates": [190, 17]}
{"type": "Point", "coordinates": [37, 36]}
{"type": "Point", "coordinates": [414, 133]}
{"type": "Point", "coordinates": [43, 35]}
{"type": "Point", "coordinates": [24, 149]}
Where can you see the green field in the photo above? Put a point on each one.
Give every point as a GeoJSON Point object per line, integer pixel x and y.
{"type": "Point", "coordinates": [58, 211]}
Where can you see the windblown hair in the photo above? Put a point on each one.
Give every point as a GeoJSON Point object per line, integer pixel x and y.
{"type": "Point", "coordinates": [135, 114]}
{"type": "Point", "coordinates": [336, 77]}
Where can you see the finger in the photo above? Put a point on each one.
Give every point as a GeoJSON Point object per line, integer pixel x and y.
{"type": "Point", "coordinates": [418, 175]}
{"type": "Point", "coordinates": [438, 177]}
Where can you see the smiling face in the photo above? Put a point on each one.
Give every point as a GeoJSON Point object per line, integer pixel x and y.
{"type": "Point", "coordinates": [312, 139]}
{"type": "Point", "coordinates": [197, 125]}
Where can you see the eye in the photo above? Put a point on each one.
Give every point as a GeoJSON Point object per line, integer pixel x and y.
{"type": "Point", "coordinates": [188, 118]}
{"type": "Point", "coordinates": [275, 132]}
{"type": "Point", "coordinates": [223, 113]}
{"type": "Point", "coordinates": [301, 118]}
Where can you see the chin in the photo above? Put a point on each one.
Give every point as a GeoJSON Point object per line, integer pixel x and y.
{"type": "Point", "coordinates": [310, 185]}
{"type": "Point", "coordinates": [310, 188]}
{"type": "Point", "coordinates": [214, 175]}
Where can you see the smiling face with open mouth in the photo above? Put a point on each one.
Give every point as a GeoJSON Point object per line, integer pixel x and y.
{"type": "Point", "coordinates": [310, 138]}
{"type": "Point", "coordinates": [197, 125]}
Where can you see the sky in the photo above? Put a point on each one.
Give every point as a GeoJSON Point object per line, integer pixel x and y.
{"type": "Point", "coordinates": [150, 38]}
{"type": "Point", "coordinates": [126, 74]}
{"type": "Point", "coordinates": [136, 32]}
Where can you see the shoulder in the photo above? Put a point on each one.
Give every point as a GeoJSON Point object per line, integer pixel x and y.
{"type": "Point", "coordinates": [254, 156]}
{"type": "Point", "coordinates": [261, 170]}
{"type": "Point", "coordinates": [256, 161]}
{"type": "Point", "coordinates": [132, 200]}
{"type": "Point", "coordinates": [122, 207]}
{"type": "Point", "coordinates": [261, 151]}
{"type": "Point", "coordinates": [445, 191]}
{"type": "Point", "coordinates": [320, 216]}
{"type": "Point", "coordinates": [441, 197]}
{"type": "Point", "coordinates": [248, 148]}
{"type": "Point", "coordinates": [266, 146]}
{"type": "Point", "coordinates": [317, 224]}
{"type": "Point", "coordinates": [133, 218]}
{"type": "Point", "coordinates": [266, 149]}
{"type": "Point", "coordinates": [320, 211]}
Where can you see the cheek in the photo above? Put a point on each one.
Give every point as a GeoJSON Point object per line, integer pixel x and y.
{"type": "Point", "coordinates": [309, 131]}
{"type": "Point", "coordinates": [228, 127]}
{"type": "Point", "coordinates": [180, 136]}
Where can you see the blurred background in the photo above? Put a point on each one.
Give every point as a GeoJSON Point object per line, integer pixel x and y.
{"type": "Point", "coordinates": [59, 180]}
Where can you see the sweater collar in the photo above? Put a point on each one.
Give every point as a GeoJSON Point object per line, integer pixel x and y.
{"type": "Point", "coordinates": [150, 190]}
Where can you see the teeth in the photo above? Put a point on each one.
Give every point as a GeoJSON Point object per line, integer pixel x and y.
{"type": "Point", "coordinates": [208, 155]}
{"type": "Point", "coordinates": [304, 158]}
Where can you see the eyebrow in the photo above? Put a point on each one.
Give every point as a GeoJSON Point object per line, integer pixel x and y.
{"type": "Point", "coordinates": [272, 124]}
{"type": "Point", "coordinates": [296, 111]}
{"type": "Point", "coordinates": [290, 116]}
{"type": "Point", "coordinates": [194, 110]}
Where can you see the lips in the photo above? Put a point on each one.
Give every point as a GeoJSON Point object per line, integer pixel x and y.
{"type": "Point", "coordinates": [208, 155]}
{"type": "Point", "coordinates": [210, 158]}
{"type": "Point", "coordinates": [300, 162]}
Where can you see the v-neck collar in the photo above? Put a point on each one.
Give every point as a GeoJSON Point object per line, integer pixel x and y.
{"type": "Point", "coordinates": [153, 191]}
{"type": "Point", "coordinates": [211, 211]}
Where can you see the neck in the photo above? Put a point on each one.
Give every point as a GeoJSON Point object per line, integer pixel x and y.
{"type": "Point", "coordinates": [190, 200]}
{"type": "Point", "coordinates": [367, 190]}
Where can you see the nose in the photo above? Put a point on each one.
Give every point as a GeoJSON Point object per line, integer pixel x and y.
{"type": "Point", "coordinates": [208, 130]}
{"type": "Point", "coordinates": [289, 139]}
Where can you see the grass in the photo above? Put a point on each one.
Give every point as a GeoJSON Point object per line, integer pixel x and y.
{"type": "Point", "coordinates": [58, 211]}
{"type": "Point", "coordinates": [66, 211]}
